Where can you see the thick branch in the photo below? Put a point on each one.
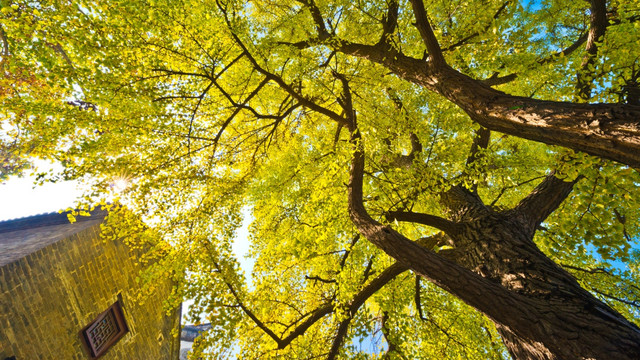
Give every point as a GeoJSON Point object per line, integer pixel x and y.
{"type": "Point", "coordinates": [429, 38]}
{"type": "Point", "coordinates": [611, 131]}
{"type": "Point", "coordinates": [390, 21]}
{"type": "Point", "coordinates": [521, 314]}
{"type": "Point", "coordinates": [339, 339]}
{"type": "Point", "coordinates": [437, 222]}
{"type": "Point", "coordinates": [480, 141]}
{"type": "Point", "coordinates": [597, 29]}
{"type": "Point", "coordinates": [543, 200]}
{"type": "Point", "coordinates": [321, 28]}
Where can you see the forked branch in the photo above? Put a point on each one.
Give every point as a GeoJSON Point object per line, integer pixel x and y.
{"type": "Point", "coordinates": [358, 300]}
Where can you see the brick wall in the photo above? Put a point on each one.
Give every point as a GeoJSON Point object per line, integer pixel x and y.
{"type": "Point", "coordinates": [50, 295]}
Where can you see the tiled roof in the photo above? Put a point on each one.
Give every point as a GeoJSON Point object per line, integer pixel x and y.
{"type": "Point", "coordinates": [21, 237]}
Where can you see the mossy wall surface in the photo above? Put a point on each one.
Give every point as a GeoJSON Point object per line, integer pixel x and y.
{"type": "Point", "coordinates": [48, 296]}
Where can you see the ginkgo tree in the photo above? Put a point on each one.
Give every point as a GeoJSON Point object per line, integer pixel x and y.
{"type": "Point", "coordinates": [453, 179]}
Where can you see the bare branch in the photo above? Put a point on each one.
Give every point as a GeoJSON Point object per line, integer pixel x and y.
{"type": "Point", "coordinates": [590, 271]}
{"type": "Point", "coordinates": [504, 189]}
{"type": "Point", "coordinates": [634, 303]}
{"type": "Point", "coordinates": [567, 51]}
{"type": "Point", "coordinates": [318, 278]}
{"type": "Point", "coordinates": [428, 318]}
{"type": "Point", "coordinates": [230, 118]}
{"type": "Point", "coordinates": [183, 73]}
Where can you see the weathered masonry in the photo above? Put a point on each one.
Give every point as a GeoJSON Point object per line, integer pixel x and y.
{"type": "Point", "coordinates": [67, 294]}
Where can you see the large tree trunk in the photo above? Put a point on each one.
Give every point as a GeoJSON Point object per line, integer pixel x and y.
{"type": "Point", "coordinates": [540, 309]}
{"type": "Point", "coordinates": [564, 320]}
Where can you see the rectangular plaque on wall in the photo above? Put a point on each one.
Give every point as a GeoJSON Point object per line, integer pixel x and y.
{"type": "Point", "coordinates": [105, 330]}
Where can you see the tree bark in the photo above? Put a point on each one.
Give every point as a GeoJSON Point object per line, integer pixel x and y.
{"type": "Point", "coordinates": [540, 310]}
{"type": "Point", "coordinates": [569, 322]}
{"type": "Point", "coordinates": [611, 131]}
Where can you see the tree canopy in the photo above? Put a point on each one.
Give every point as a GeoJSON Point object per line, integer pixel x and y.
{"type": "Point", "coordinates": [432, 176]}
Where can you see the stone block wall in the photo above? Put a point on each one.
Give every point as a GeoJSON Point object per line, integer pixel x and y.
{"type": "Point", "coordinates": [48, 296]}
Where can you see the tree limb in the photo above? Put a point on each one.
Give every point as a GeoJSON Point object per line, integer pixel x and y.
{"type": "Point", "coordinates": [340, 335]}
{"type": "Point", "coordinates": [449, 227]}
{"type": "Point", "coordinates": [480, 141]}
{"type": "Point", "coordinates": [428, 37]}
{"type": "Point", "coordinates": [505, 188]}
{"type": "Point", "coordinates": [418, 301]}
{"type": "Point", "coordinates": [390, 21]}
{"type": "Point", "coordinates": [467, 285]}
{"type": "Point", "coordinates": [611, 131]}
{"type": "Point", "coordinates": [543, 200]}
{"type": "Point", "coordinates": [5, 42]}
{"type": "Point", "coordinates": [495, 80]}
{"type": "Point", "coordinates": [304, 101]}
{"type": "Point", "coordinates": [392, 347]}
{"type": "Point", "coordinates": [634, 303]}
{"type": "Point", "coordinates": [358, 300]}
{"type": "Point", "coordinates": [321, 28]}
{"type": "Point", "coordinates": [597, 29]}
{"type": "Point", "coordinates": [345, 100]}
